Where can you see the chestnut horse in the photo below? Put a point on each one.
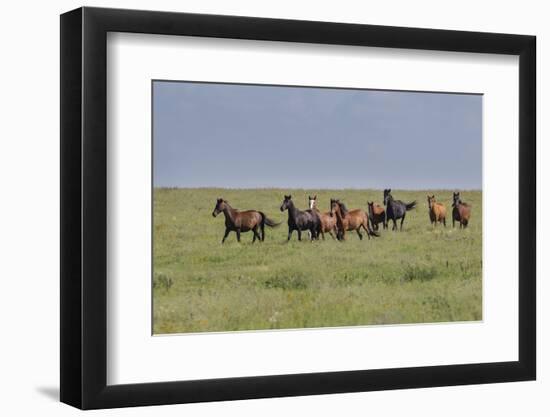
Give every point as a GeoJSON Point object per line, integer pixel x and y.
{"type": "Point", "coordinates": [242, 221]}
{"type": "Point", "coordinates": [461, 211]}
{"type": "Point", "coordinates": [348, 220]}
{"type": "Point", "coordinates": [437, 211]}
{"type": "Point", "coordinates": [328, 221]}
{"type": "Point", "coordinates": [377, 215]}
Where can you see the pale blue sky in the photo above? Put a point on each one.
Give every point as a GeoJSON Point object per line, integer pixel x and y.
{"type": "Point", "coordinates": [245, 136]}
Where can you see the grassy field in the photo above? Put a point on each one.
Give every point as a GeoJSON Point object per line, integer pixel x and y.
{"type": "Point", "coordinates": [419, 275]}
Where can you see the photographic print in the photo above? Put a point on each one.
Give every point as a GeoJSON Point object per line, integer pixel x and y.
{"type": "Point", "coordinates": [291, 207]}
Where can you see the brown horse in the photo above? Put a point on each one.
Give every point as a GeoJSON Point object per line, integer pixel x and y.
{"type": "Point", "coordinates": [461, 211]}
{"type": "Point", "coordinates": [437, 211]}
{"type": "Point", "coordinates": [328, 221]}
{"type": "Point", "coordinates": [377, 215]}
{"type": "Point", "coordinates": [242, 221]}
{"type": "Point", "coordinates": [348, 220]}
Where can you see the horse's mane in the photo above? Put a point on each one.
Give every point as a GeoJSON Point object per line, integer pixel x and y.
{"type": "Point", "coordinates": [343, 208]}
{"type": "Point", "coordinates": [228, 205]}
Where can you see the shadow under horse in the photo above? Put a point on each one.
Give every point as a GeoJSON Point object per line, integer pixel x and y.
{"type": "Point", "coordinates": [396, 209]}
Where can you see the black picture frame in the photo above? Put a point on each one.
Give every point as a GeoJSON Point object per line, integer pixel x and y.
{"type": "Point", "coordinates": [84, 207]}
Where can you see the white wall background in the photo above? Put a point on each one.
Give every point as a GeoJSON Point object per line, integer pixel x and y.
{"type": "Point", "coordinates": [29, 209]}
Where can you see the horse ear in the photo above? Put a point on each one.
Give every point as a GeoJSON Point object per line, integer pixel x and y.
{"type": "Point", "coordinates": [315, 197]}
{"type": "Point", "coordinates": [289, 196]}
{"type": "Point", "coordinates": [389, 190]}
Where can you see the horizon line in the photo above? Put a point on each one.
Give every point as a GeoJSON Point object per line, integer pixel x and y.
{"type": "Point", "coordinates": [314, 188]}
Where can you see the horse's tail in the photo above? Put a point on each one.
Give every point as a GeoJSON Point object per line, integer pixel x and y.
{"type": "Point", "coordinates": [410, 206]}
{"type": "Point", "coordinates": [267, 221]}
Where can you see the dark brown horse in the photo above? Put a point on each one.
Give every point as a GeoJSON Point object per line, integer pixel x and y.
{"type": "Point", "coordinates": [328, 221]}
{"type": "Point", "coordinates": [461, 211]}
{"type": "Point", "coordinates": [301, 220]}
{"type": "Point", "coordinates": [396, 209]}
{"type": "Point", "coordinates": [242, 221]}
{"type": "Point", "coordinates": [377, 215]}
{"type": "Point", "coordinates": [437, 211]}
{"type": "Point", "coordinates": [348, 220]}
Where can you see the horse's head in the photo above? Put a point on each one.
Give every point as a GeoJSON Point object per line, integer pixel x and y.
{"type": "Point", "coordinates": [387, 195]}
{"type": "Point", "coordinates": [312, 202]}
{"type": "Point", "coordinates": [286, 202]}
{"type": "Point", "coordinates": [456, 199]}
{"type": "Point", "coordinates": [431, 200]}
{"type": "Point", "coordinates": [370, 205]}
{"type": "Point", "coordinates": [220, 206]}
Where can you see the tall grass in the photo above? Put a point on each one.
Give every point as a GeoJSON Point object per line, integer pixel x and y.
{"type": "Point", "coordinates": [416, 276]}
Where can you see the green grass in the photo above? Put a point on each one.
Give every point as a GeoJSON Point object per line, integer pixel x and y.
{"type": "Point", "coordinates": [419, 275]}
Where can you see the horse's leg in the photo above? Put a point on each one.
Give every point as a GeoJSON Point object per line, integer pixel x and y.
{"type": "Point", "coordinates": [299, 234]}
{"type": "Point", "coordinates": [256, 234]}
{"type": "Point", "coordinates": [453, 222]}
{"type": "Point", "coordinates": [394, 224]}
{"type": "Point", "coordinates": [402, 220]}
{"type": "Point", "coordinates": [289, 233]}
{"type": "Point", "coordinates": [238, 231]}
{"type": "Point", "coordinates": [262, 228]}
{"type": "Point", "coordinates": [359, 233]}
{"type": "Point", "coordinates": [366, 230]}
{"type": "Point", "coordinates": [225, 234]}
{"type": "Point", "coordinates": [444, 222]}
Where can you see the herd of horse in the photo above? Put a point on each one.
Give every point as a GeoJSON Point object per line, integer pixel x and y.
{"type": "Point", "coordinates": [339, 219]}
